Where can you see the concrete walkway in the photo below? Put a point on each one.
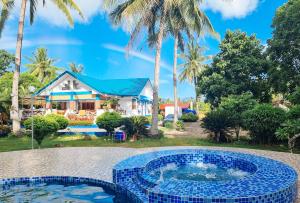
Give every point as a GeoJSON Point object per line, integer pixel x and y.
{"type": "Point", "coordinates": [96, 162]}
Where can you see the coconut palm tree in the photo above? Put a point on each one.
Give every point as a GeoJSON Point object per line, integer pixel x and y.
{"type": "Point", "coordinates": [139, 14]}
{"type": "Point", "coordinates": [7, 6]}
{"type": "Point", "coordinates": [41, 66]}
{"type": "Point", "coordinates": [193, 64]}
{"type": "Point", "coordinates": [76, 68]}
{"type": "Point", "coordinates": [184, 18]}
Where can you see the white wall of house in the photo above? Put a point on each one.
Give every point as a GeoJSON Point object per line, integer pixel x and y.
{"type": "Point", "coordinates": [148, 91]}
{"type": "Point", "coordinates": [58, 86]}
{"type": "Point", "coordinates": [126, 105]}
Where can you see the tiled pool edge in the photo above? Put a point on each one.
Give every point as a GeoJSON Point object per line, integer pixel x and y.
{"type": "Point", "coordinates": [123, 177]}
{"type": "Point", "coordinates": [57, 179]}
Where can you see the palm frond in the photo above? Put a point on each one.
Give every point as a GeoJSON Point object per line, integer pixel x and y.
{"type": "Point", "coordinates": [7, 6]}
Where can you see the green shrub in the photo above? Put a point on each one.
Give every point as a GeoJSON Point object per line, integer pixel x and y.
{"type": "Point", "coordinates": [217, 121]}
{"type": "Point", "coordinates": [61, 120]}
{"type": "Point", "coordinates": [179, 125]}
{"type": "Point", "coordinates": [135, 125]}
{"type": "Point", "coordinates": [128, 126]}
{"type": "Point", "coordinates": [80, 123]}
{"type": "Point", "coordinates": [237, 105]}
{"type": "Point", "coordinates": [262, 122]}
{"type": "Point", "coordinates": [109, 121]}
{"type": "Point", "coordinates": [42, 127]}
{"type": "Point", "coordinates": [190, 117]}
{"type": "Point", "coordinates": [4, 130]}
{"type": "Point", "coordinates": [289, 130]}
{"type": "Point", "coordinates": [294, 112]}
{"type": "Point", "coordinates": [169, 125]}
{"type": "Point", "coordinates": [295, 96]}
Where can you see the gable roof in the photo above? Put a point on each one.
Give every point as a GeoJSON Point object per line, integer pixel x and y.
{"type": "Point", "coordinates": [117, 87]}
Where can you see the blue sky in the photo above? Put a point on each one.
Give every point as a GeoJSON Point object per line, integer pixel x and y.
{"type": "Point", "coordinates": [100, 47]}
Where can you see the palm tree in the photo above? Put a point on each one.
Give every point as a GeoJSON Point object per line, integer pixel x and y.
{"type": "Point", "coordinates": [42, 66]}
{"type": "Point", "coordinates": [7, 5]}
{"type": "Point", "coordinates": [193, 64]}
{"type": "Point", "coordinates": [76, 68]}
{"type": "Point", "coordinates": [187, 19]}
{"type": "Point", "coordinates": [144, 14]}
{"type": "Point", "coordinates": [183, 18]}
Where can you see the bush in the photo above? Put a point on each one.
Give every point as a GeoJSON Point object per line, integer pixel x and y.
{"type": "Point", "coordinates": [217, 121]}
{"type": "Point", "coordinates": [109, 121]}
{"type": "Point", "coordinates": [294, 112]}
{"type": "Point", "coordinates": [80, 123]}
{"type": "Point", "coordinates": [136, 125]}
{"type": "Point", "coordinates": [4, 130]}
{"type": "Point", "coordinates": [262, 122]}
{"type": "Point", "coordinates": [295, 96]}
{"type": "Point", "coordinates": [42, 127]}
{"type": "Point", "coordinates": [169, 125]}
{"type": "Point", "coordinates": [289, 130]}
{"type": "Point", "coordinates": [179, 126]}
{"type": "Point", "coordinates": [61, 120]}
{"type": "Point", "coordinates": [190, 117]}
{"type": "Point", "coordinates": [237, 105]}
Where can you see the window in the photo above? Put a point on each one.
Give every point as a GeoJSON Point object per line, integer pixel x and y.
{"type": "Point", "coordinates": [67, 86]}
{"type": "Point", "coordinates": [86, 106]}
{"type": "Point", "coordinates": [134, 104]}
{"type": "Point", "coordinates": [59, 105]}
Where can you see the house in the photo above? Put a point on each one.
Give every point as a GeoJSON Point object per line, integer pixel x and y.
{"type": "Point", "coordinates": [81, 97]}
{"type": "Point", "coordinates": [167, 109]}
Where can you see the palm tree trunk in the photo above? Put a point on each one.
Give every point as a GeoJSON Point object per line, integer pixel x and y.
{"type": "Point", "coordinates": [155, 107]}
{"type": "Point", "coordinates": [175, 80]}
{"type": "Point", "coordinates": [15, 89]}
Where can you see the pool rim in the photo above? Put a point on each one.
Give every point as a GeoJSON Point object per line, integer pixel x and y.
{"type": "Point", "coordinates": [144, 159]}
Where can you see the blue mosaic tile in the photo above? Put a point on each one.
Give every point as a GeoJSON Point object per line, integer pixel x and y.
{"type": "Point", "coordinates": [269, 181]}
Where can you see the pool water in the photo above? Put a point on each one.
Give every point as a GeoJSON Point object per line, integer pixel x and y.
{"type": "Point", "coordinates": [54, 193]}
{"type": "Point", "coordinates": [197, 172]}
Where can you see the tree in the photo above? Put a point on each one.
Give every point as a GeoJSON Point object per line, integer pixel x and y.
{"type": "Point", "coordinates": [294, 97]}
{"type": "Point", "coordinates": [42, 66]}
{"type": "Point", "coordinates": [240, 67]}
{"type": "Point", "coordinates": [138, 14]}
{"type": "Point", "coordinates": [26, 81]}
{"type": "Point", "coordinates": [193, 64]}
{"type": "Point", "coordinates": [185, 18]}
{"type": "Point", "coordinates": [7, 6]}
{"type": "Point", "coordinates": [217, 121]}
{"type": "Point", "coordinates": [6, 61]}
{"type": "Point", "coordinates": [76, 68]}
{"type": "Point", "coordinates": [284, 48]}
{"type": "Point", "coordinates": [237, 105]}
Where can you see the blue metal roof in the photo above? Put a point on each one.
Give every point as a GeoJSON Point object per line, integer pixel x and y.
{"type": "Point", "coordinates": [117, 87]}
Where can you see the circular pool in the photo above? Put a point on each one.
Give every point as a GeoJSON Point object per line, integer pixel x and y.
{"type": "Point", "coordinates": [56, 189]}
{"type": "Point", "coordinates": [196, 176]}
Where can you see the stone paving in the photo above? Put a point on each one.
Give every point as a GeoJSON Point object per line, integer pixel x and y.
{"type": "Point", "coordinates": [97, 162]}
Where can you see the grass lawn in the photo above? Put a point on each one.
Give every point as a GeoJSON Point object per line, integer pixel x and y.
{"type": "Point", "coordinates": [14, 144]}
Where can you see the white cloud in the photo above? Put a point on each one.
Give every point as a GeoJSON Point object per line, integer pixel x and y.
{"type": "Point", "coordinates": [10, 42]}
{"type": "Point", "coordinates": [136, 54]}
{"type": "Point", "coordinates": [232, 8]}
{"type": "Point", "coordinates": [53, 15]}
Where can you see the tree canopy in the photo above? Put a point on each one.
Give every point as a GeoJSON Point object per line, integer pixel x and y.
{"type": "Point", "coordinates": [42, 66]}
{"type": "Point", "coordinates": [284, 48]}
{"type": "Point", "coordinates": [239, 67]}
{"type": "Point", "coordinates": [6, 61]}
